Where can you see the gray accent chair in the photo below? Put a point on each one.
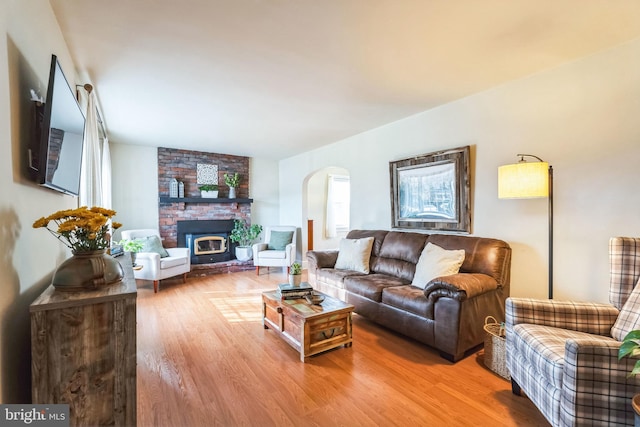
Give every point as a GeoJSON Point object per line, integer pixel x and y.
{"type": "Point", "coordinates": [564, 355]}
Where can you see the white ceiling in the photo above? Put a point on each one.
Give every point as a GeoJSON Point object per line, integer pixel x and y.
{"type": "Point", "coordinates": [274, 78]}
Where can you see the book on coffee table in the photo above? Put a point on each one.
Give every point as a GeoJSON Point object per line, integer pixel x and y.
{"type": "Point", "coordinates": [286, 287]}
{"type": "Point", "coordinates": [287, 291]}
{"type": "Point", "coordinates": [294, 295]}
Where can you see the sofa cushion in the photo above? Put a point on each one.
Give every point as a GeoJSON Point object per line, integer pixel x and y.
{"type": "Point", "coordinates": [483, 255]}
{"type": "Point", "coordinates": [435, 262]}
{"type": "Point", "coordinates": [544, 348]}
{"type": "Point", "coordinates": [408, 298]}
{"type": "Point", "coordinates": [172, 261]}
{"type": "Point", "coordinates": [399, 254]}
{"type": "Point", "coordinates": [273, 254]}
{"type": "Point", "coordinates": [371, 285]}
{"type": "Point", "coordinates": [279, 240]}
{"type": "Point", "coordinates": [629, 317]}
{"type": "Point", "coordinates": [354, 254]}
{"type": "Point", "coordinates": [334, 277]}
{"type": "Point", "coordinates": [404, 246]}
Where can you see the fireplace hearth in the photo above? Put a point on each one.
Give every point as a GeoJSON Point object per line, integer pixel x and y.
{"type": "Point", "coordinates": [207, 240]}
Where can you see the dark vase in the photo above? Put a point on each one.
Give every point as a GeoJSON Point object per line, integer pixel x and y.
{"type": "Point", "coordinates": [87, 271]}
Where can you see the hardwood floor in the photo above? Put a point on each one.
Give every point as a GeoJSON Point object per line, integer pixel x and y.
{"type": "Point", "coordinates": [204, 359]}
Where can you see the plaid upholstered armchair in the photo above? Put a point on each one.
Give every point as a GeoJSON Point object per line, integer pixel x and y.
{"type": "Point", "coordinates": [564, 355]}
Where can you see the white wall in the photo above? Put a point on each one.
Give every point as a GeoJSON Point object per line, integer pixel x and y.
{"type": "Point", "coordinates": [581, 117]}
{"type": "Point", "coordinates": [264, 191]}
{"type": "Point", "coordinates": [28, 257]}
{"type": "Point", "coordinates": [134, 185]}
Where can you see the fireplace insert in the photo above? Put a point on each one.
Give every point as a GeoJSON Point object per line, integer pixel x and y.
{"type": "Point", "coordinates": [207, 240]}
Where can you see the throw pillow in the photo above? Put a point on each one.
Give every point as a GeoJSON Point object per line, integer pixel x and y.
{"type": "Point", "coordinates": [279, 240]}
{"type": "Point", "coordinates": [354, 254]}
{"type": "Point", "coordinates": [629, 317]}
{"type": "Point", "coordinates": [154, 244]}
{"type": "Point", "coordinates": [434, 262]}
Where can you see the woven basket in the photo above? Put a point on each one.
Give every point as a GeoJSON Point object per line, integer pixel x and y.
{"type": "Point", "coordinates": [495, 347]}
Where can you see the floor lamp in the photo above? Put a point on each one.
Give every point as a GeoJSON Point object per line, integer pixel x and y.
{"type": "Point", "coordinates": [525, 180]}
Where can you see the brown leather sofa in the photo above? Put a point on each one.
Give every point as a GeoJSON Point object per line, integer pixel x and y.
{"type": "Point", "coordinates": [448, 314]}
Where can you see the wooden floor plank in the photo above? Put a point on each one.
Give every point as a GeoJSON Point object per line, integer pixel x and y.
{"type": "Point", "coordinates": [204, 359]}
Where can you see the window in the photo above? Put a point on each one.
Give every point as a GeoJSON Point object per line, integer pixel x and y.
{"type": "Point", "coordinates": [338, 205]}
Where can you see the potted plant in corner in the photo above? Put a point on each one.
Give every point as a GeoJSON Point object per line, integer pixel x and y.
{"type": "Point", "coordinates": [631, 348]}
{"type": "Point", "coordinates": [208, 191]}
{"type": "Point", "coordinates": [134, 246]}
{"type": "Point", "coordinates": [244, 235]}
{"type": "Point", "coordinates": [232, 181]}
{"type": "Point", "coordinates": [295, 274]}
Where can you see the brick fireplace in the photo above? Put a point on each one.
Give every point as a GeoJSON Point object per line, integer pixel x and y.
{"type": "Point", "coordinates": [182, 165]}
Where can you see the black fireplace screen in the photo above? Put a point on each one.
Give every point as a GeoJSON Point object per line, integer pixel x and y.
{"type": "Point", "coordinates": [207, 240]}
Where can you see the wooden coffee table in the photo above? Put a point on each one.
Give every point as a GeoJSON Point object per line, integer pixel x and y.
{"type": "Point", "coordinates": [310, 329]}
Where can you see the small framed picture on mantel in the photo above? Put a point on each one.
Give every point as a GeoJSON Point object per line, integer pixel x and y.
{"type": "Point", "coordinates": [431, 191]}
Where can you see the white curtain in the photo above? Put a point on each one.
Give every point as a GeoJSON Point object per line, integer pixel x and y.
{"type": "Point", "coordinates": [91, 175]}
{"type": "Point", "coordinates": [338, 205]}
{"type": "Point", "coordinates": [330, 222]}
{"type": "Point", "coordinates": [106, 174]}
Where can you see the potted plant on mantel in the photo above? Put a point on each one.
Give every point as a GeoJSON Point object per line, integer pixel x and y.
{"type": "Point", "coordinates": [295, 274]}
{"type": "Point", "coordinates": [244, 235]}
{"type": "Point", "coordinates": [208, 191]}
{"type": "Point", "coordinates": [631, 348]}
{"type": "Point", "coordinates": [232, 181]}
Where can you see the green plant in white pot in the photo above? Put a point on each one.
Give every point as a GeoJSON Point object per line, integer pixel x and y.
{"type": "Point", "coordinates": [631, 348]}
{"type": "Point", "coordinates": [134, 246]}
{"type": "Point", "coordinates": [244, 234]}
{"type": "Point", "coordinates": [209, 191]}
{"type": "Point", "coordinates": [232, 181]}
{"type": "Point", "coordinates": [295, 274]}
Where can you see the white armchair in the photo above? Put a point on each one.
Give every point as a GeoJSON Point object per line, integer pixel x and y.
{"type": "Point", "coordinates": [278, 249]}
{"type": "Point", "coordinates": [155, 267]}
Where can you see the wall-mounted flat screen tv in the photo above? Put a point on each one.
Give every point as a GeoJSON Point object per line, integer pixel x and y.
{"type": "Point", "coordinates": [61, 142]}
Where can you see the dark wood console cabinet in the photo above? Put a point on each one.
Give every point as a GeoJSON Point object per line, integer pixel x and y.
{"type": "Point", "coordinates": [83, 347]}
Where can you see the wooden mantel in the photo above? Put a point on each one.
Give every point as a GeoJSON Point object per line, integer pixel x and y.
{"type": "Point", "coordinates": [164, 199]}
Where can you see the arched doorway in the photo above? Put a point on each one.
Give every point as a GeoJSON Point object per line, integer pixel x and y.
{"type": "Point", "coordinates": [326, 197]}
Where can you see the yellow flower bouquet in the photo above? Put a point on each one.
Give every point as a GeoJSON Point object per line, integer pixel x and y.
{"type": "Point", "coordinates": [86, 232]}
{"type": "Point", "coordinates": [82, 229]}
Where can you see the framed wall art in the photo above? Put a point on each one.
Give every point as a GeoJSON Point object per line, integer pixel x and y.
{"type": "Point", "coordinates": [431, 191]}
{"type": "Point", "coordinates": [206, 174]}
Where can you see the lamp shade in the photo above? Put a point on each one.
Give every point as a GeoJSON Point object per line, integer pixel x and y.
{"type": "Point", "coordinates": [523, 180]}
